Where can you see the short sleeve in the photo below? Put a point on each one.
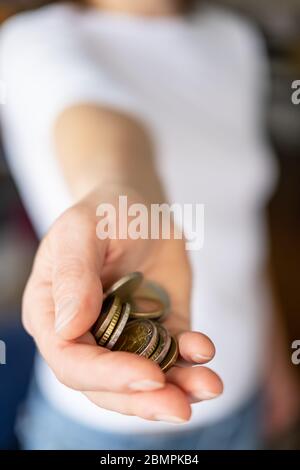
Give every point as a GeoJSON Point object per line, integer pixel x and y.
{"type": "Point", "coordinates": [47, 65]}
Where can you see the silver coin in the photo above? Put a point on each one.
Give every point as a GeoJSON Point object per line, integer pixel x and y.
{"type": "Point", "coordinates": [163, 347]}
{"type": "Point", "coordinates": [145, 307]}
{"type": "Point", "coordinates": [120, 326]}
{"type": "Point", "coordinates": [109, 310]}
{"type": "Point", "coordinates": [126, 286]}
{"type": "Point", "coordinates": [152, 291]}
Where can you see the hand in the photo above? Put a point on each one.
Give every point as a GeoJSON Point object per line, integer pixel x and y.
{"type": "Point", "coordinates": [62, 301]}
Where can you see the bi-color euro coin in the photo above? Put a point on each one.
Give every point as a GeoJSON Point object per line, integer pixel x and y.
{"type": "Point", "coordinates": [139, 337]}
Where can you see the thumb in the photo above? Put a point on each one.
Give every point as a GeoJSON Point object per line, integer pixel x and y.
{"type": "Point", "coordinates": [76, 285]}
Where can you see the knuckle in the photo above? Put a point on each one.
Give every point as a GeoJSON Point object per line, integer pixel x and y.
{"type": "Point", "coordinates": [73, 216]}
{"type": "Point", "coordinates": [71, 267]}
{"type": "Point", "coordinates": [66, 275]}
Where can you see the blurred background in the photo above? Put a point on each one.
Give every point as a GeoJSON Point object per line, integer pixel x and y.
{"type": "Point", "coordinates": [280, 23]}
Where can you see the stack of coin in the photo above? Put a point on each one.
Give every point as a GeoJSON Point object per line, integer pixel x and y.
{"type": "Point", "coordinates": [130, 320]}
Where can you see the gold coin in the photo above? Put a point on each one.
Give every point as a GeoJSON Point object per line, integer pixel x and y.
{"type": "Point", "coordinates": [139, 337]}
{"type": "Point", "coordinates": [144, 307]}
{"type": "Point", "coordinates": [109, 308]}
{"type": "Point", "coordinates": [109, 330]}
{"type": "Point", "coordinates": [126, 286]}
{"type": "Point", "coordinates": [171, 357]}
{"type": "Point", "coordinates": [126, 308]}
{"type": "Point", "coordinates": [163, 346]}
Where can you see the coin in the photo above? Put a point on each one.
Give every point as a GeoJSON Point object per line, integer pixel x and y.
{"type": "Point", "coordinates": [139, 337]}
{"type": "Point", "coordinates": [152, 290]}
{"type": "Point", "coordinates": [126, 307]}
{"type": "Point", "coordinates": [171, 357]}
{"type": "Point", "coordinates": [125, 286]}
{"type": "Point", "coordinates": [109, 330]}
{"type": "Point", "coordinates": [109, 308]}
{"type": "Point", "coordinates": [163, 345]}
{"type": "Point", "coordinates": [143, 307]}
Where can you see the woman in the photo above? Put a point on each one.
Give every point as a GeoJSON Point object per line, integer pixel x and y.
{"type": "Point", "coordinates": [141, 98]}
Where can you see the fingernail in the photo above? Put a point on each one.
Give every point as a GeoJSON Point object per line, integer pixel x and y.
{"type": "Point", "coordinates": [145, 385]}
{"type": "Point", "coordinates": [170, 419]}
{"type": "Point", "coordinates": [201, 358]}
{"type": "Point", "coordinates": [66, 310]}
{"type": "Point", "coordinates": [205, 395]}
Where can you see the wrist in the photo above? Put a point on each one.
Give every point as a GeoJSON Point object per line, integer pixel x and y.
{"type": "Point", "coordinates": [109, 192]}
{"type": "Point", "coordinates": [107, 186]}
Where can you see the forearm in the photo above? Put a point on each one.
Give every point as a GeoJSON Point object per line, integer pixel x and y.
{"type": "Point", "coordinates": [98, 146]}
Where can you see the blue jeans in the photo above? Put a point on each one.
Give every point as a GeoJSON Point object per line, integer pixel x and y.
{"type": "Point", "coordinates": [14, 379]}
{"type": "Point", "coordinates": [42, 427]}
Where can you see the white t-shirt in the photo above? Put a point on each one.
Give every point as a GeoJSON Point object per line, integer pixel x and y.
{"type": "Point", "coordinates": [199, 84]}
